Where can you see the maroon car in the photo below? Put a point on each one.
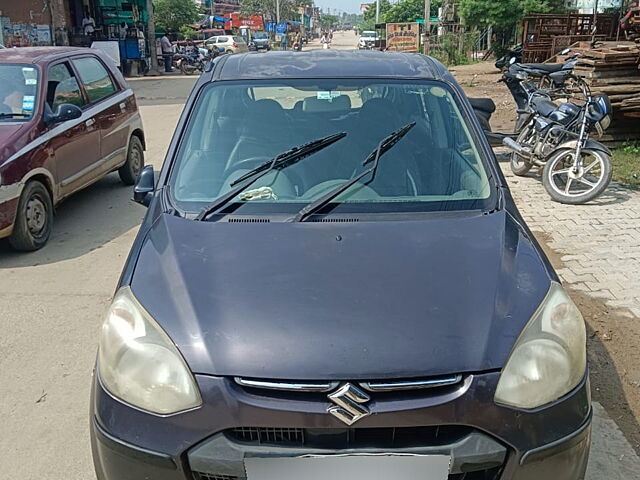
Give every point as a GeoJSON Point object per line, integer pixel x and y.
{"type": "Point", "coordinates": [67, 118]}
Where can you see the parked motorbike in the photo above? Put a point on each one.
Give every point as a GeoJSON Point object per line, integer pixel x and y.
{"type": "Point", "coordinates": [195, 62]}
{"type": "Point", "coordinates": [576, 169]}
{"type": "Point", "coordinates": [513, 56]}
{"type": "Point", "coordinates": [553, 77]}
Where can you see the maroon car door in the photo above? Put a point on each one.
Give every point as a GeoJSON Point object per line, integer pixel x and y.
{"type": "Point", "coordinates": [76, 143]}
{"type": "Point", "coordinates": [105, 94]}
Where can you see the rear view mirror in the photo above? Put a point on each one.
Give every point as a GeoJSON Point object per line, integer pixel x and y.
{"type": "Point", "coordinates": [63, 113]}
{"type": "Point", "coordinates": [565, 51]}
{"type": "Point", "coordinates": [512, 60]}
{"type": "Point", "coordinates": [144, 187]}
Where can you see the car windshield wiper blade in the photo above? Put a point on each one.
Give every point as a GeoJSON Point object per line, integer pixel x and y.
{"type": "Point", "coordinates": [384, 146]}
{"type": "Point", "coordinates": [283, 160]}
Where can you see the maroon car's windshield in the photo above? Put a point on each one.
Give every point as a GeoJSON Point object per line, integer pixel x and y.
{"type": "Point", "coordinates": [18, 91]}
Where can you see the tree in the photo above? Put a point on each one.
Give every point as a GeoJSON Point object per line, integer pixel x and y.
{"type": "Point", "coordinates": [289, 9]}
{"type": "Point", "coordinates": [170, 15]}
{"type": "Point", "coordinates": [369, 19]}
{"type": "Point", "coordinates": [409, 11]}
{"type": "Point", "coordinates": [504, 14]}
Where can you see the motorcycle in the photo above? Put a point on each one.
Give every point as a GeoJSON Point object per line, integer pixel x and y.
{"type": "Point", "coordinates": [555, 137]}
{"type": "Point", "coordinates": [195, 62]}
{"type": "Point", "coordinates": [513, 56]}
{"type": "Point", "coordinates": [552, 76]}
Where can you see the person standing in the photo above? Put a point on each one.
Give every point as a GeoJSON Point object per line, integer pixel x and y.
{"type": "Point", "coordinates": [124, 29]}
{"type": "Point", "coordinates": [88, 24]}
{"type": "Point", "coordinates": [284, 41]}
{"type": "Point", "coordinates": [167, 52]}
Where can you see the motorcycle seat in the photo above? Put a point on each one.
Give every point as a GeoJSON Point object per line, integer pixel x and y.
{"type": "Point", "coordinates": [560, 77]}
{"type": "Point", "coordinates": [483, 104]}
{"type": "Point", "coordinates": [544, 106]}
{"type": "Point", "coordinates": [542, 67]}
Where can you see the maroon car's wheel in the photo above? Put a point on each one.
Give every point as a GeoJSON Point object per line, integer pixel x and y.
{"type": "Point", "coordinates": [34, 218]}
{"type": "Point", "coordinates": [135, 161]}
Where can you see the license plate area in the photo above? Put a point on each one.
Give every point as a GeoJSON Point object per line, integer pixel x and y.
{"type": "Point", "coordinates": [350, 467]}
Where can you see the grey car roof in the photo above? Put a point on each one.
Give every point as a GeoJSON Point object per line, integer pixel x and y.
{"type": "Point", "coordinates": [328, 64]}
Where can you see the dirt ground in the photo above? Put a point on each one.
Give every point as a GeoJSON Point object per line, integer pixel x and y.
{"type": "Point", "coordinates": [613, 336]}
{"type": "Point", "coordinates": [481, 80]}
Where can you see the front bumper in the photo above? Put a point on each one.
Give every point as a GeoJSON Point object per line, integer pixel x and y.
{"type": "Point", "coordinates": [499, 443]}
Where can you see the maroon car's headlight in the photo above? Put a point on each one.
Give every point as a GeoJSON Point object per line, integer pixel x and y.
{"type": "Point", "coordinates": [139, 364]}
{"type": "Point", "coordinates": [550, 357]}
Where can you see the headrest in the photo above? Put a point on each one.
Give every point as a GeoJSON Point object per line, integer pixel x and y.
{"type": "Point", "coordinates": [316, 105]}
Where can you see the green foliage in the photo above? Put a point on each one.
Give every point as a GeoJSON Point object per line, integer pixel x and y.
{"type": "Point", "coordinates": [187, 32]}
{"type": "Point", "coordinates": [288, 8]}
{"type": "Point", "coordinates": [369, 19]}
{"type": "Point", "coordinates": [453, 48]}
{"type": "Point", "coordinates": [409, 11]}
{"type": "Point", "coordinates": [171, 15]}
{"type": "Point", "coordinates": [504, 14]}
{"type": "Point", "coordinates": [329, 21]}
{"type": "Point", "coordinates": [631, 148]}
{"type": "Point", "coordinates": [626, 165]}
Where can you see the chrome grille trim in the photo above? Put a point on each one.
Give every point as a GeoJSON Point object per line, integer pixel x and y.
{"type": "Point", "coordinates": [389, 386]}
{"type": "Point", "coordinates": [376, 386]}
{"type": "Point", "coordinates": [287, 386]}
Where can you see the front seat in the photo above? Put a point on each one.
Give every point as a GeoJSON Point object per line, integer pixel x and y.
{"type": "Point", "coordinates": [265, 133]}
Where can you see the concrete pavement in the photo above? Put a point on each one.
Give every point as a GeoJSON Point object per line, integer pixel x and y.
{"type": "Point", "coordinates": [52, 302]}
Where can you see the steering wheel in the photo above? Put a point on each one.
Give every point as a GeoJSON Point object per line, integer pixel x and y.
{"type": "Point", "coordinates": [246, 164]}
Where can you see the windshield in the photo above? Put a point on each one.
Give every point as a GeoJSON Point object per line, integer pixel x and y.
{"type": "Point", "coordinates": [18, 89]}
{"type": "Point", "coordinates": [368, 34]}
{"type": "Point", "coordinates": [236, 127]}
{"type": "Point", "coordinates": [260, 36]}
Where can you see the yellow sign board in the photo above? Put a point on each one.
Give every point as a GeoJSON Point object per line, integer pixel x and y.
{"type": "Point", "coordinates": [403, 37]}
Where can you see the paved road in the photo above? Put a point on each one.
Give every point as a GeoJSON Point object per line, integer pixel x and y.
{"type": "Point", "coordinates": [51, 305]}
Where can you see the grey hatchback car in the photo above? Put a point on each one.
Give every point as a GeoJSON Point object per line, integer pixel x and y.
{"type": "Point", "coordinates": [347, 291]}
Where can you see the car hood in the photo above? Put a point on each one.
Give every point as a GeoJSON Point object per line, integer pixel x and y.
{"type": "Point", "coordinates": [367, 300]}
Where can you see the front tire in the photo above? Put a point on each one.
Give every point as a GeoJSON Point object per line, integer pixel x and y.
{"type": "Point", "coordinates": [135, 161]}
{"type": "Point", "coordinates": [34, 218]}
{"type": "Point", "coordinates": [593, 178]}
{"type": "Point", "coordinates": [520, 165]}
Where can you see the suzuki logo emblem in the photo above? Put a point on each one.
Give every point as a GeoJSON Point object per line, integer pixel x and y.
{"type": "Point", "coordinates": [349, 404]}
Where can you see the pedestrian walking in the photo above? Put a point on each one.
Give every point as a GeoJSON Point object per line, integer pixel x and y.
{"type": "Point", "coordinates": [167, 52]}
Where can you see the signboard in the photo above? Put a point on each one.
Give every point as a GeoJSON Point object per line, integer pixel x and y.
{"type": "Point", "coordinates": [254, 22]}
{"type": "Point", "coordinates": [403, 37]}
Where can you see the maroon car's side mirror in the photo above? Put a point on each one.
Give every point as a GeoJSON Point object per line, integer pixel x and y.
{"type": "Point", "coordinates": [63, 113]}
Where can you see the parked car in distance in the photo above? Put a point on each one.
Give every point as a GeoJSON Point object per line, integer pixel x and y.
{"type": "Point", "coordinates": [227, 44]}
{"type": "Point", "coordinates": [332, 268]}
{"type": "Point", "coordinates": [368, 40]}
{"type": "Point", "coordinates": [67, 118]}
{"type": "Point", "coordinates": [260, 41]}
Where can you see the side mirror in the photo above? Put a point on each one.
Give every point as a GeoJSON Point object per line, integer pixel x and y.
{"type": "Point", "coordinates": [63, 113]}
{"type": "Point", "coordinates": [512, 60]}
{"type": "Point", "coordinates": [565, 51]}
{"type": "Point", "coordinates": [144, 187]}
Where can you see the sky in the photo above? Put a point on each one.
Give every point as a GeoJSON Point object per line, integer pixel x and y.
{"type": "Point", "coordinates": [349, 6]}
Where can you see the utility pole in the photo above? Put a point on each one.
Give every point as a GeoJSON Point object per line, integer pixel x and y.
{"type": "Point", "coordinates": [377, 11]}
{"type": "Point", "coordinates": [277, 11]}
{"type": "Point", "coordinates": [151, 39]}
{"type": "Point", "coordinates": [427, 26]}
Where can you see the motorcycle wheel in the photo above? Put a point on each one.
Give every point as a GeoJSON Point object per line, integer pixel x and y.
{"type": "Point", "coordinates": [520, 166]}
{"type": "Point", "coordinates": [184, 68]}
{"type": "Point", "coordinates": [575, 188]}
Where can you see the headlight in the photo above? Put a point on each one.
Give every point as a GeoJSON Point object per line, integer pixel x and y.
{"type": "Point", "coordinates": [139, 364]}
{"type": "Point", "coordinates": [549, 359]}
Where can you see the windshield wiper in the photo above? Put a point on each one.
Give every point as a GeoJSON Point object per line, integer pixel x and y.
{"type": "Point", "coordinates": [283, 160]}
{"type": "Point", "coordinates": [11, 115]}
{"type": "Point", "coordinates": [384, 146]}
